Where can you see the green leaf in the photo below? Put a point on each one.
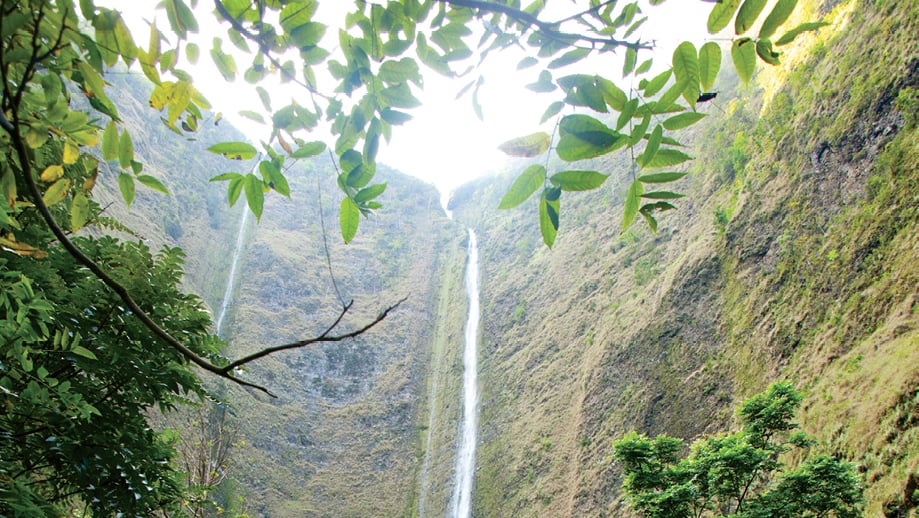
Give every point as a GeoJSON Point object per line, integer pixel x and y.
{"type": "Point", "coordinates": [743, 53]}
{"type": "Point", "coordinates": [191, 53]}
{"type": "Point", "coordinates": [234, 189]}
{"type": "Point", "coordinates": [631, 55]}
{"type": "Point", "coordinates": [625, 115]}
{"type": "Point", "coordinates": [181, 18]}
{"type": "Point", "coordinates": [527, 62]}
{"type": "Point", "coordinates": [264, 97]}
{"type": "Point", "coordinates": [234, 150]}
{"type": "Point", "coordinates": [686, 71]}
{"type": "Point", "coordinates": [255, 194]}
{"type": "Point", "coordinates": [125, 150]}
{"type": "Point", "coordinates": [657, 82]}
{"type": "Point", "coordinates": [778, 16]}
{"type": "Point", "coordinates": [667, 157]}
{"type": "Point", "coordinates": [152, 183]}
{"type": "Point", "coordinates": [766, 53]}
{"type": "Point", "coordinates": [721, 15]}
{"type": "Point", "coordinates": [532, 178]}
{"type": "Point", "coordinates": [583, 137]}
{"type": "Point", "coordinates": [79, 211]}
{"type": "Point", "coordinates": [225, 176]}
{"type": "Point", "coordinates": [654, 143]}
{"type": "Point", "coordinates": [399, 96]}
{"type": "Point", "coordinates": [126, 185]}
{"type": "Point", "coordinates": [57, 192]}
{"type": "Point", "coordinates": [548, 214]}
{"type": "Point", "coordinates": [552, 111]}
{"type": "Point", "coordinates": [528, 146]}
{"type": "Point", "coordinates": [578, 180]}
{"type": "Point", "coordinates": [225, 63]}
{"type": "Point", "coordinates": [662, 195]}
{"type": "Point", "coordinates": [394, 117]}
{"type": "Point", "coordinates": [638, 132]}
{"type": "Point", "coordinates": [274, 177]}
{"type": "Point", "coordinates": [746, 17]}
{"type": "Point", "coordinates": [568, 58]}
{"type": "Point", "coordinates": [661, 177]}
{"type": "Point", "coordinates": [349, 217]}
{"type": "Point", "coordinates": [397, 72]}
{"type": "Point", "coordinates": [252, 116]}
{"type": "Point", "coordinates": [369, 193]}
{"type": "Point", "coordinates": [709, 64]}
{"type": "Point", "coordinates": [612, 94]}
{"type": "Point", "coordinates": [79, 350]}
{"type": "Point", "coordinates": [309, 149]}
{"type": "Point", "coordinates": [644, 67]}
{"type": "Point", "coordinates": [683, 120]}
{"type": "Point", "coordinates": [632, 202]}
{"type": "Point", "coordinates": [110, 141]}
{"type": "Point", "coordinates": [789, 36]}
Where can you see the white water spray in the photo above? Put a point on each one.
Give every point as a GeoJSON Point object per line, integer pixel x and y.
{"type": "Point", "coordinates": [231, 279]}
{"type": "Point", "coordinates": [461, 503]}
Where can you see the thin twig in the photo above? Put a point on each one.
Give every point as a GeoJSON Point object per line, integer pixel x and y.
{"type": "Point", "coordinates": [550, 29]}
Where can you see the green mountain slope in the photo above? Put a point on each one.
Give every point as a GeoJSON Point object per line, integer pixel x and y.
{"type": "Point", "coordinates": [793, 257]}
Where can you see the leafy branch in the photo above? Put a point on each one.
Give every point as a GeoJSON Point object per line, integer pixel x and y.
{"type": "Point", "coordinates": [549, 29]}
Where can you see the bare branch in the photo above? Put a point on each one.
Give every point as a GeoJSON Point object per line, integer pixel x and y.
{"type": "Point", "coordinates": [324, 337]}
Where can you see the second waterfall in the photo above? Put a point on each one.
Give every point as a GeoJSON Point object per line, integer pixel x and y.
{"type": "Point", "coordinates": [461, 503]}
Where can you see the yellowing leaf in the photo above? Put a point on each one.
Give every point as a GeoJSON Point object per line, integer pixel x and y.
{"type": "Point", "coordinates": [71, 153]}
{"type": "Point", "coordinates": [528, 146]}
{"type": "Point", "coordinates": [52, 173]}
{"type": "Point", "coordinates": [57, 192]}
{"type": "Point", "coordinates": [79, 211]}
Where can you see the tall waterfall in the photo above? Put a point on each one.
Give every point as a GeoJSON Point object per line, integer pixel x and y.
{"type": "Point", "coordinates": [231, 278]}
{"type": "Point", "coordinates": [461, 503]}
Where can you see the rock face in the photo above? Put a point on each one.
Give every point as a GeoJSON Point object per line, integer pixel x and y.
{"type": "Point", "coordinates": [343, 437]}
{"type": "Point", "coordinates": [793, 258]}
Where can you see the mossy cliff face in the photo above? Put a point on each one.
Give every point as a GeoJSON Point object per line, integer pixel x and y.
{"type": "Point", "coordinates": [795, 257]}
{"type": "Point", "coordinates": [344, 437]}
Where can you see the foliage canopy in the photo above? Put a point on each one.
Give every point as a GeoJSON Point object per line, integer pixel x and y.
{"type": "Point", "coordinates": [739, 474]}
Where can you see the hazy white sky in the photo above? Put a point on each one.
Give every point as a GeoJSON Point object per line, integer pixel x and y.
{"type": "Point", "coordinates": [445, 144]}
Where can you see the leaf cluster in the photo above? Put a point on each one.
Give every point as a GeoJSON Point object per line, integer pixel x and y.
{"type": "Point", "coordinates": [738, 474]}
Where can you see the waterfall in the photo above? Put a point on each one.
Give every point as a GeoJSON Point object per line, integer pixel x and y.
{"type": "Point", "coordinates": [461, 503]}
{"type": "Point", "coordinates": [231, 278]}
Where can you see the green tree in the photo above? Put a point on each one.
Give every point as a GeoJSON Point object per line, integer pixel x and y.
{"type": "Point", "coordinates": [739, 474]}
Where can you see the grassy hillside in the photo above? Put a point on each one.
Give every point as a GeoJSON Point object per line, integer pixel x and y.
{"type": "Point", "coordinates": [794, 257]}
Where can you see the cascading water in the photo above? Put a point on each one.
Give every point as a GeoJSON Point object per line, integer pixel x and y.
{"type": "Point", "coordinates": [461, 503]}
{"type": "Point", "coordinates": [231, 278]}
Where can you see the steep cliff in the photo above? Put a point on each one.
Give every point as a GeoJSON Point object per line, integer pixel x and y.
{"type": "Point", "coordinates": [794, 257]}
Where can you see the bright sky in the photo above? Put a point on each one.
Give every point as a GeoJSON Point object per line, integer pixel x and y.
{"type": "Point", "coordinates": [445, 144]}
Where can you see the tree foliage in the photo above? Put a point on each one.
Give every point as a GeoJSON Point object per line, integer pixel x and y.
{"type": "Point", "coordinates": [739, 474]}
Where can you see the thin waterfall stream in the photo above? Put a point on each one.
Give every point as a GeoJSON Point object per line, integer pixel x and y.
{"type": "Point", "coordinates": [461, 503]}
{"type": "Point", "coordinates": [231, 278]}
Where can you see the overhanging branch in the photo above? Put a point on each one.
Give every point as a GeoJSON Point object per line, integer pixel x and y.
{"type": "Point", "coordinates": [550, 29]}
{"type": "Point", "coordinates": [223, 371]}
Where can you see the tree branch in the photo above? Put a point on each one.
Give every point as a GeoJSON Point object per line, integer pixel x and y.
{"type": "Point", "coordinates": [223, 371]}
{"type": "Point", "coordinates": [324, 337]}
{"type": "Point", "coordinates": [550, 29]}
